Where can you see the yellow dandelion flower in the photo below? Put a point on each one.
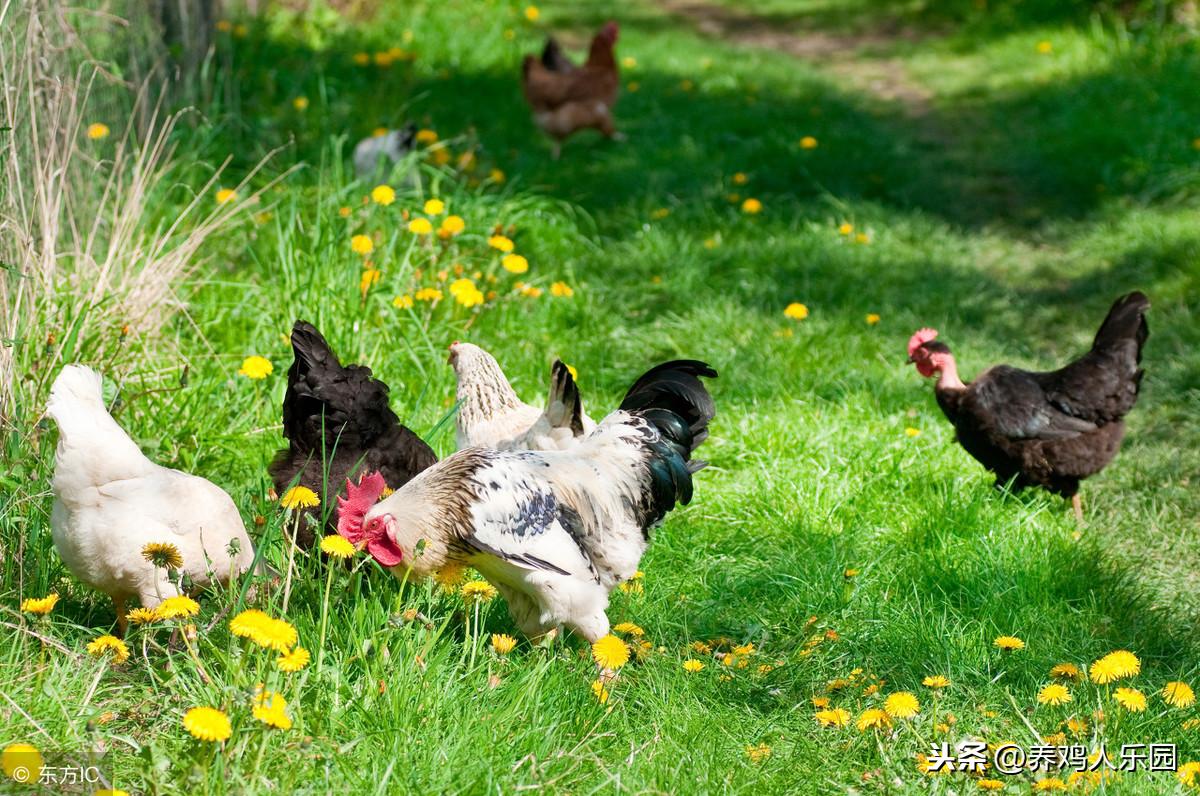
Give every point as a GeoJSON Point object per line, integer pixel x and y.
{"type": "Point", "coordinates": [629, 628]}
{"type": "Point", "coordinates": [872, 318]}
{"type": "Point", "coordinates": [936, 681]}
{"type": "Point", "coordinates": [97, 131]}
{"type": "Point", "coordinates": [500, 242]}
{"type": "Point", "coordinates": [873, 718]}
{"type": "Point", "coordinates": [470, 297]}
{"type": "Point", "coordinates": [271, 709]}
{"type": "Point", "coordinates": [532, 13]}
{"type": "Point", "coordinates": [111, 646]}
{"type": "Point", "coordinates": [1178, 695]}
{"type": "Point", "coordinates": [901, 705]}
{"type": "Point", "coordinates": [300, 103]}
{"type": "Point", "coordinates": [752, 206]}
{"type": "Point", "coordinates": [426, 136]}
{"type": "Point", "coordinates": [862, 237]}
{"type": "Point", "coordinates": [561, 290]}
{"type": "Point", "coordinates": [845, 228]}
{"type": "Point", "coordinates": [383, 195]}
{"type": "Point", "coordinates": [1065, 671]}
{"type": "Point", "coordinates": [163, 554]}
{"type": "Point", "coordinates": [207, 724]}
{"type": "Point", "coordinates": [1054, 694]}
{"type": "Point", "coordinates": [660, 213]}
{"type": "Point", "coordinates": [835, 717]}
{"type": "Point", "coordinates": [478, 591]}
{"type": "Point", "coordinates": [337, 546]}
{"type": "Point", "coordinates": [225, 195]}
{"type": "Point", "coordinates": [344, 212]}
{"type": "Point", "coordinates": [796, 311]}
{"type": "Point", "coordinates": [256, 367]}
{"type": "Point", "coordinates": [142, 616]}
{"type": "Point", "coordinates": [909, 431]}
{"type": "Point", "coordinates": [293, 661]}
{"type": "Point", "coordinates": [452, 225]}
{"type": "Point", "coordinates": [362, 59]}
{"type": "Point", "coordinates": [989, 784]}
{"type": "Point", "coordinates": [1188, 773]}
{"type": "Point", "coordinates": [369, 276]}
{"type": "Point", "coordinates": [531, 291]}
{"type": "Point", "coordinates": [701, 647]}
{"type": "Point", "coordinates": [1006, 643]}
{"type": "Point", "coordinates": [497, 175]}
{"type": "Point", "coordinates": [758, 753]}
{"type": "Point", "coordinates": [299, 497]}
{"type": "Point", "coordinates": [362, 244]}
{"type": "Point", "coordinates": [420, 226]}
{"type": "Point", "coordinates": [1131, 699]}
{"type": "Point", "coordinates": [1077, 725]}
{"type": "Point", "coordinates": [692, 665]}
{"type": "Point", "coordinates": [404, 302]}
{"type": "Point", "coordinates": [599, 691]}
{"type": "Point", "coordinates": [610, 652]}
{"type": "Point", "coordinates": [1045, 47]}
{"type": "Point", "coordinates": [39, 605]}
{"type": "Point", "coordinates": [1049, 784]}
{"type": "Point", "coordinates": [740, 178]}
{"type": "Point", "coordinates": [264, 630]}
{"type": "Point", "coordinates": [435, 207]}
{"type": "Point", "coordinates": [22, 763]}
{"type": "Point", "coordinates": [224, 25]}
{"type": "Point", "coordinates": [181, 607]}
{"type": "Point", "coordinates": [431, 294]}
{"type": "Point", "coordinates": [503, 643]}
{"type": "Point", "coordinates": [808, 142]}
{"type": "Point", "coordinates": [449, 577]}
{"type": "Point", "coordinates": [514, 263]}
{"type": "Point", "coordinates": [1114, 666]}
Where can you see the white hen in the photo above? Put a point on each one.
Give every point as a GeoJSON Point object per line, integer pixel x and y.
{"type": "Point", "coordinates": [490, 414]}
{"type": "Point", "coordinates": [554, 531]}
{"type": "Point", "coordinates": [110, 501]}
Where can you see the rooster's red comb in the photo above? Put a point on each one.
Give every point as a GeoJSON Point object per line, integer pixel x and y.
{"type": "Point", "coordinates": [358, 501]}
{"type": "Point", "coordinates": [921, 336]}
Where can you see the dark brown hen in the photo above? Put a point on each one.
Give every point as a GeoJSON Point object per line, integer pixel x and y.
{"type": "Point", "coordinates": [1048, 429]}
{"type": "Point", "coordinates": [337, 421]}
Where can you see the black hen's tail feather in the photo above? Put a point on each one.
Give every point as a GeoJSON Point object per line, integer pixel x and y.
{"type": "Point", "coordinates": [1125, 321]}
{"type": "Point", "coordinates": [310, 349]}
{"type": "Point", "coordinates": [672, 398]}
{"type": "Point", "coordinates": [676, 387]}
{"type": "Point", "coordinates": [564, 391]}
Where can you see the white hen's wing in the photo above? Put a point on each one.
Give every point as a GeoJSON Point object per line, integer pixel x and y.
{"type": "Point", "coordinates": [520, 520]}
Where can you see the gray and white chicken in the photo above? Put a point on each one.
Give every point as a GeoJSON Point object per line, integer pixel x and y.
{"type": "Point", "coordinates": [554, 531]}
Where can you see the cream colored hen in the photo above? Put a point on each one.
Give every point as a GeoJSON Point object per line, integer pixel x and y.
{"type": "Point", "coordinates": [110, 501]}
{"type": "Point", "coordinates": [491, 415]}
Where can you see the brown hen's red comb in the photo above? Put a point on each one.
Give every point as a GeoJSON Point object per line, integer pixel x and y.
{"type": "Point", "coordinates": [922, 336]}
{"type": "Point", "coordinates": [358, 501]}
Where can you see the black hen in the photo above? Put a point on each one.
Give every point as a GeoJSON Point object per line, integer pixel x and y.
{"type": "Point", "coordinates": [1048, 429]}
{"type": "Point", "coordinates": [337, 422]}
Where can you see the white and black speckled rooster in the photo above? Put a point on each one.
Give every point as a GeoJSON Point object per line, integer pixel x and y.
{"type": "Point", "coordinates": [554, 531]}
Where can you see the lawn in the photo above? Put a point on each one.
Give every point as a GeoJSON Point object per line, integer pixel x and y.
{"type": "Point", "coordinates": [998, 177]}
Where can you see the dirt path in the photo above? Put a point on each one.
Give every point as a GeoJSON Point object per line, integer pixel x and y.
{"type": "Point", "coordinates": [883, 78]}
{"type": "Point", "coordinates": [859, 61]}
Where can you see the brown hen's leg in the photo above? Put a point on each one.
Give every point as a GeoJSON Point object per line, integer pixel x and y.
{"type": "Point", "coordinates": [1077, 505]}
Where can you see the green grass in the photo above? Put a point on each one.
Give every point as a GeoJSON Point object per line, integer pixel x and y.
{"type": "Point", "coordinates": [1051, 184]}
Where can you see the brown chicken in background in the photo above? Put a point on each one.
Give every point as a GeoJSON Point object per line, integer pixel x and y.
{"type": "Point", "coordinates": [564, 97]}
